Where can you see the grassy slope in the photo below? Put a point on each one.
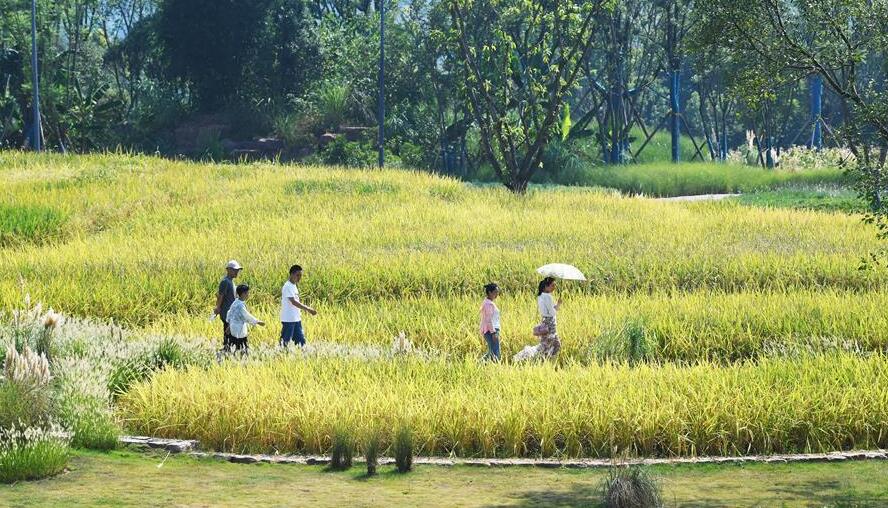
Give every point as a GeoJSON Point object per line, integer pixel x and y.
{"type": "Point", "coordinates": [130, 479]}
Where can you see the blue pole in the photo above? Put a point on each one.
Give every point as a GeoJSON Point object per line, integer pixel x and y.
{"type": "Point", "coordinates": [381, 119]}
{"type": "Point", "coordinates": [769, 152]}
{"type": "Point", "coordinates": [674, 93]}
{"type": "Point", "coordinates": [817, 112]}
{"type": "Point", "coordinates": [723, 152]}
{"type": "Point", "coordinates": [35, 78]}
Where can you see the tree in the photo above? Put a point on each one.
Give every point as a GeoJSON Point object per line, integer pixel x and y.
{"type": "Point", "coordinates": [229, 50]}
{"type": "Point", "coordinates": [521, 59]}
{"type": "Point", "coordinates": [624, 62]}
{"type": "Point", "coordinates": [842, 41]}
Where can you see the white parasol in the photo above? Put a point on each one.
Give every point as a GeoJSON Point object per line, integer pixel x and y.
{"type": "Point", "coordinates": [561, 271]}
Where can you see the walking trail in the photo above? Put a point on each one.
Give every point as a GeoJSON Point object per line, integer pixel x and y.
{"type": "Point", "coordinates": [701, 197]}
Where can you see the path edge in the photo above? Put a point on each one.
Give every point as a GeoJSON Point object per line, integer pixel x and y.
{"type": "Point", "coordinates": [191, 448]}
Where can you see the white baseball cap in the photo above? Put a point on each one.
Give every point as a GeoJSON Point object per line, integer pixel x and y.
{"type": "Point", "coordinates": [234, 265]}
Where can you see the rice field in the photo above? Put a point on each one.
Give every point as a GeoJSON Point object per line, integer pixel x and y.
{"type": "Point", "coordinates": [704, 327]}
{"type": "Point", "coordinates": [470, 409]}
{"type": "Point", "coordinates": [145, 240]}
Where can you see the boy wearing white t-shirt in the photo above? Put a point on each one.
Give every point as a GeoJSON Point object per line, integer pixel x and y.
{"type": "Point", "coordinates": [291, 309]}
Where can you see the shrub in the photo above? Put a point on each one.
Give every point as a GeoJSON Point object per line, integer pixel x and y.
{"type": "Point", "coordinates": [403, 449]}
{"type": "Point", "coordinates": [25, 396]}
{"type": "Point", "coordinates": [343, 450]}
{"type": "Point", "coordinates": [296, 130]}
{"type": "Point", "coordinates": [333, 102]}
{"type": "Point", "coordinates": [415, 156]}
{"type": "Point", "coordinates": [353, 154]}
{"type": "Point", "coordinates": [561, 165]}
{"type": "Point", "coordinates": [371, 453]}
{"type": "Point", "coordinates": [630, 487]}
{"type": "Point", "coordinates": [31, 454]}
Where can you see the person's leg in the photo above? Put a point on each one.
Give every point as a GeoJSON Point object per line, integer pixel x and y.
{"type": "Point", "coordinates": [489, 338]}
{"type": "Point", "coordinates": [287, 330]}
{"type": "Point", "coordinates": [298, 334]}
{"type": "Point", "coordinates": [226, 336]}
{"type": "Point", "coordinates": [495, 350]}
{"type": "Point", "coordinates": [240, 344]}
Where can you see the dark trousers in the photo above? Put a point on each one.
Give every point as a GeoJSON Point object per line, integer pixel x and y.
{"type": "Point", "coordinates": [292, 331]}
{"type": "Point", "coordinates": [227, 339]}
{"type": "Point", "coordinates": [239, 344]}
{"type": "Point", "coordinates": [493, 345]}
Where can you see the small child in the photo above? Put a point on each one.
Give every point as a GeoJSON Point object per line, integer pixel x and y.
{"type": "Point", "coordinates": [490, 322]}
{"type": "Point", "coordinates": [239, 319]}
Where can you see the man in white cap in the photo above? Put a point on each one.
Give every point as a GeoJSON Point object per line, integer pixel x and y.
{"type": "Point", "coordinates": [224, 299]}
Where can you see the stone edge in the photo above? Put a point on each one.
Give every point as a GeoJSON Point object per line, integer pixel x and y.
{"type": "Point", "coordinates": [190, 447]}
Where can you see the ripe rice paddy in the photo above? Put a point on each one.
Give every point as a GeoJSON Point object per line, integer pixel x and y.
{"type": "Point", "coordinates": [768, 303]}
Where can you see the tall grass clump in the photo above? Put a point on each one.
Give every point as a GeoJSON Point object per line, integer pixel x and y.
{"type": "Point", "coordinates": [25, 397]}
{"type": "Point", "coordinates": [630, 487]}
{"type": "Point", "coordinates": [343, 449]}
{"type": "Point", "coordinates": [631, 343]}
{"type": "Point", "coordinates": [402, 449]}
{"type": "Point", "coordinates": [89, 361]}
{"type": "Point", "coordinates": [23, 224]}
{"type": "Point", "coordinates": [371, 453]}
{"type": "Point", "coordinates": [30, 446]}
{"type": "Point", "coordinates": [31, 453]}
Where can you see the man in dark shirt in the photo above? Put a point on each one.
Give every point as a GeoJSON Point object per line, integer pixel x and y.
{"type": "Point", "coordinates": [224, 299]}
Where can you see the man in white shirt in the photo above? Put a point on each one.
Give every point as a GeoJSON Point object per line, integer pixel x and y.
{"type": "Point", "coordinates": [291, 309]}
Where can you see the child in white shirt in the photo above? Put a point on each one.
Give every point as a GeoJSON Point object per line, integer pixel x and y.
{"type": "Point", "coordinates": [239, 319]}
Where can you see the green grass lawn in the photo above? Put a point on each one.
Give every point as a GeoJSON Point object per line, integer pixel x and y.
{"type": "Point", "coordinates": [664, 179]}
{"type": "Point", "coordinates": [826, 198]}
{"type": "Point", "coordinates": [127, 478]}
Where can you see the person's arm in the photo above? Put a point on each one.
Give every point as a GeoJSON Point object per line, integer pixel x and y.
{"type": "Point", "coordinates": [219, 296]}
{"type": "Point", "coordinates": [296, 303]}
{"type": "Point", "coordinates": [249, 318]}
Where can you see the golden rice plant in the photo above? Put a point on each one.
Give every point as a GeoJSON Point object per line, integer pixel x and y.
{"type": "Point", "coordinates": [811, 404]}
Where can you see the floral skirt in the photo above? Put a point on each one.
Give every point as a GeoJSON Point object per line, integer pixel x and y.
{"type": "Point", "coordinates": [550, 345]}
